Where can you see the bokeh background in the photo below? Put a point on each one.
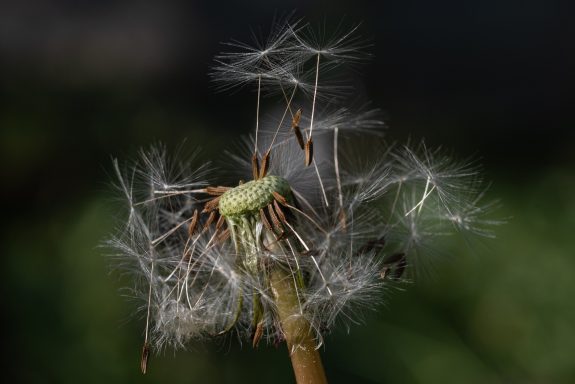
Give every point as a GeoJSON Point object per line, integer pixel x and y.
{"type": "Point", "coordinates": [81, 81]}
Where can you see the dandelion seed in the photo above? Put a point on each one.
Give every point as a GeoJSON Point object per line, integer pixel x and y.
{"type": "Point", "coordinates": [286, 254]}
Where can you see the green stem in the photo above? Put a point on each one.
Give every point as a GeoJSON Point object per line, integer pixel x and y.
{"type": "Point", "coordinates": [298, 333]}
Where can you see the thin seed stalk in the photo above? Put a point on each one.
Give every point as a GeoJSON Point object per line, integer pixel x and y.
{"type": "Point", "coordinates": [297, 331]}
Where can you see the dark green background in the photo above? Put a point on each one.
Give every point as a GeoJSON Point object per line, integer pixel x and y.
{"type": "Point", "coordinates": [83, 81]}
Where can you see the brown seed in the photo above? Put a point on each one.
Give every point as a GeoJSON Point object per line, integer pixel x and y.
{"type": "Point", "coordinates": [211, 205]}
{"type": "Point", "coordinates": [296, 129]}
{"type": "Point", "coordinates": [299, 137]}
{"type": "Point", "coordinates": [144, 359]}
{"type": "Point", "coordinates": [223, 236]}
{"type": "Point", "coordinates": [216, 191]}
{"type": "Point", "coordinates": [279, 211]}
{"type": "Point", "coordinates": [279, 198]}
{"type": "Point", "coordinates": [277, 224]}
{"type": "Point", "coordinates": [265, 165]}
{"type": "Point", "coordinates": [193, 223]}
{"type": "Point", "coordinates": [255, 166]}
{"type": "Point", "coordinates": [308, 152]}
{"type": "Point", "coordinates": [211, 218]}
{"type": "Point", "coordinates": [220, 222]}
{"type": "Point", "coordinates": [296, 118]}
{"type": "Point", "coordinates": [258, 333]}
{"type": "Point", "coordinates": [265, 220]}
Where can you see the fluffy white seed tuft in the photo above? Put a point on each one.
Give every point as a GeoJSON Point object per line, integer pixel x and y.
{"type": "Point", "coordinates": [356, 219]}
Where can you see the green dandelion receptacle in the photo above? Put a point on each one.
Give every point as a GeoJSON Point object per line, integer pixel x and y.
{"type": "Point", "coordinates": [250, 197]}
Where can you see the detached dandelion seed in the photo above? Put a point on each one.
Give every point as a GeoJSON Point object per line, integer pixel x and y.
{"type": "Point", "coordinates": [318, 232]}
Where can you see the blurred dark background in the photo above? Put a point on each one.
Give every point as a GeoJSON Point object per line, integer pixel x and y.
{"type": "Point", "coordinates": [81, 81]}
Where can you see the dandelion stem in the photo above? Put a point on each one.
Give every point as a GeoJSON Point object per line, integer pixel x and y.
{"type": "Point", "coordinates": [297, 331]}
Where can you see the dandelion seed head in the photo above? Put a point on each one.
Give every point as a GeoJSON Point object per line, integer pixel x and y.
{"type": "Point", "coordinates": [338, 218]}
